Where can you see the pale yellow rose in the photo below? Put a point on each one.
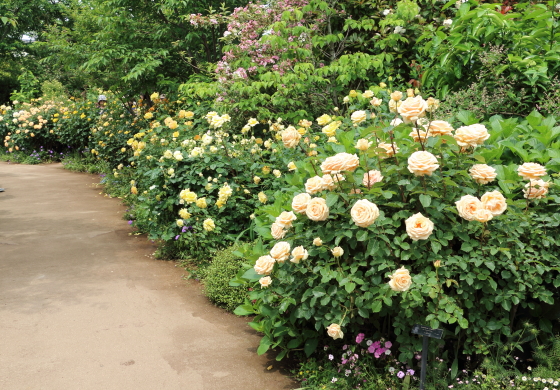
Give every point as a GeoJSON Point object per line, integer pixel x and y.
{"type": "Point", "coordinates": [208, 225]}
{"type": "Point", "coordinates": [531, 171]}
{"type": "Point", "coordinates": [396, 96]}
{"type": "Point", "coordinates": [482, 215]}
{"type": "Point", "coordinates": [419, 135]}
{"type": "Point", "coordinates": [394, 105]}
{"type": "Point", "coordinates": [188, 196]}
{"type": "Point", "coordinates": [265, 281]}
{"type": "Point", "coordinates": [363, 144]}
{"type": "Point", "coordinates": [412, 109]}
{"type": "Point", "coordinates": [364, 213]}
{"type": "Point", "coordinates": [422, 163]}
{"type": "Point", "coordinates": [410, 92]}
{"type": "Point", "coordinates": [292, 166]}
{"type": "Point", "coordinates": [179, 222]}
{"type": "Point", "coordinates": [482, 173]}
{"type": "Point", "coordinates": [331, 181]}
{"type": "Point", "coordinates": [277, 231]}
{"type": "Point", "coordinates": [262, 197]}
{"type": "Point", "coordinates": [389, 149]}
{"type": "Point", "coordinates": [299, 253]}
{"type": "Point", "coordinates": [439, 128]}
{"type": "Point", "coordinates": [536, 189]}
{"type": "Point", "coordinates": [256, 179]}
{"type": "Point", "coordinates": [376, 102]}
{"type": "Point", "coordinates": [317, 241]}
{"type": "Point", "coordinates": [419, 227]}
{"type": "Point", "coordinates": [467, 207]}
{"type": "Point", "coordinates": [314, 184]}
{"type": "Point", "coordinates": [280, 251]}
{"type": "Point", "coordinates": [337, 251]}
{"type": "Point", "coordinates": [330, 129]}
{"type": "Point", "coordinates": [184, 213]}
{"type": "Point", "coordinates": [317, 209]}
{"type": "Point", "coordinates": [473, 135]}
{"type": "Point", "coordinates": [286, 218]}
{"type": "Point", "coordinates": [371, 177]}
{"type": "Point", "coordinates": [358, 117]}
{"type": "Point", "coordinates": [433, 104]}
{"type": "Point", "coordinates": [400, 280]}
{"type": "Point", "coordinates": [395, 122]}
{"type": "Point", "coordinates": [335, 332]}
{"type": "Point", "coordinates": [300, 201]}
{"type": "Point", "coordinates": [264, 265]}
{"type": "Point", "coordinates": [201, 203]}
{"type": "Point", "coordinates": [340, 162]}
{"type": "Point", "coordinates": [494, 202]}
{"type": "Point", "coordinates": [368, 94]}
{"type": "Point", "coordinates": [323, 120]}
{"type": "Point", "coordinates": [290, 137]}
{"type": "Point", "coordinates": [353, 93]}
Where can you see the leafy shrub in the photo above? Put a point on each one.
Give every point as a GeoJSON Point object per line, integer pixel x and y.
{"type": "Point", "coordinates": [224, 267]}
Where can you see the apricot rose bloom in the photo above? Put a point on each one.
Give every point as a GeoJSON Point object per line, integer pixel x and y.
{"type": "Point", "coordinates": [358, 117]}
{"type": "Point", "coordinates": [419, 135]}
{"type": "Point", "coordinates": [494, 202]}
{"type": "Point", "coordinates": [483, 215]}
{"type": "Point", "coordinates": [482, 173]}
{"type": "Point", "coordinates": [290, 137]}
{"type": "Point", "coordinates": [419, 227]}
{"type": "Point", "coordinates": [340, 162]}
{"type": "Point", "coordinates": [363, 144]}
{"type": "Point", "coordinates": [300, 201]}
{"type": "Point", "coordinates": [265, 281]}
{"type": "Point", "coordinates": [531, 171]}
{"type": "Point", "coordinates": [264, 265]}
{"type": "Point", "coordinates": [439, 128]}
{"type": "Point", "coordinates": [334, 331]}
{"type": "Point", "coordinates": [286, 218]}
{"type": "Point", "coordinates": [280, 251]}
{"type": "Point", "coordinates": [317, 241]}
{"type": "Point", "coordinates": [467, 207]}
{"type": "Point", "coordinates": [400, 280]}
{"type": "Point", "coordinates": [536, 189]}
{"type": "Point", "coordinates": [337, 251]}
{"type": "Point", "coordinates": [396, 96]}
{"type": "Point", "coordinates": [299, 253]}
{"type": "Point", "coordinates": [473, 135]}
{"type": "Point", "coordinates": [317, 209]}
{"type": "Point", "coordinates": [412, 109]}
{"type": "Point", "coordinates": [314, 184]}
{"type": "Point", "coordinates": [390, 149]}
{"type": "Point", "coordinates": [371, 177]}
{"type": "Point", "coordinates": [277, 231]}
{"type": "Point", "coordinates": [364, 213]}
{"type": "Point", "coordinates": [422, 163]}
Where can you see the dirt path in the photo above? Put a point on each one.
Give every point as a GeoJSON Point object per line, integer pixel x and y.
{"type": "Point", "coordinates": [83, 306]}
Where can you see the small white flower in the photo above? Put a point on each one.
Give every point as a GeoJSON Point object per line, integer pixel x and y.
{"type": "Point", "coordinates": [447, 22]}
{"type": "Point", "coordinates": [386, 12]}
{"type": "Point", "coordinates": [399, 30]}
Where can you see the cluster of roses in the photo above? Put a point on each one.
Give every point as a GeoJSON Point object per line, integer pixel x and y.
{"type": "Point", "coordinates": [187, 196]}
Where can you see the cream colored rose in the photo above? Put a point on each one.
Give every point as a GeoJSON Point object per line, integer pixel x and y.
{"type": "Point", "coordinates": [277, 231]}
{"type": "Point", "coordinates": [363, 144]}
{"type": "Point", "coordinates": [300, 201]}
{"type": "Point", "coordinates": [265, 281]}
{"type": "Point", "coordinates": [280, 251]}
{"type": "Point", "coordinates": [439, 128]}
{"type": "Point", "coordinates": [419, 135]}
{"type": "Point", "coordinates": [264, 265]}
{"type": "Point", "coordinates": [371, 177]}
{"type": "Point", "coordinates": [337, 251]}
{"type": "Point", "coordinates": [422, 163]}
{"type": "Point", "coordinates": [358, 117]}
{"type": "Point", "coordinates": [290, 137]}
{"type": "Point", "coordinates": [395, 122]}
{"type": "Point", "coordinates": [317, 241]}
{"type": "Point", "coordinates": [412, 109]}
{"type": "Point", "coordinates": [335, 332]}
{"type": "Point", "coordinates": [330, 129]}
{"type": "Point", "coordinates": [482, 215]}
{"type": "Point", "coordinates": [390, 149]}
{"type": "Point", "coordinates": [340, 162]}
{"type": "Point", "coordinates": [419, 227]}
{"type": "Point", "coordinates": [314, 184]}
{"type": "Point", "coordinates": [467, 207]}
{"type": "Point", "coordinates": [396, 96]}
{"type": "Point", "coordinates": [472, 135]}
{"type": "Point", "coordinates": [536, 189]}
{"type": "Point", "coordinates": [482, 173]}
{"type": "Point", "coordinates": [433, 104]}
{"type": "Point", "coordinates": [494, 202]}
{"type": "Point", "coordinates": [317, 209]}
{"type": "Point", "coordinates": [394, 105]}
{"type": "Point", "coordinates": [368, 94]}
{"type": "Point", "coordinates": [286, 218]}
{"type": "Point", "coordinates": [400, 280]}
{"type": "Point", "coordinates": [531, 171]}
{"type": "Point", "coordinates": [299, 253]}
{"type": "Point", "coordinates": [364, 213]}
{"type": "Point", "coordinates": [376, 102]}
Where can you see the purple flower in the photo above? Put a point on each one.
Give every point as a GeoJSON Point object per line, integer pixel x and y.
{"type": "Point", "coordinates": [410, 372]}
{"type": "Point", "coordinates": [388, 344]}
{"type": "Point", "coordinates": [400, 374]}
{"type": "Point", "coordinates": [360, 337]}
{"type": "Point", "coordinates": [130, 222]}
{"type": "Point", "coordinates": [376, 344]}
{"type": "Point", "coordinates": [371, 349]}
{"type": "Point", "coordinates": [177, 237]}
{"type": "Point", "coordinates": [344, 347]}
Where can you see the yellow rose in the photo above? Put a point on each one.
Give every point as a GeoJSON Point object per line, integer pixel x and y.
{"type": "Point", "coordinates": [536, 189]}
{"type": "Point", "coordinates": [330, 129]}
{"type": "Point", "coordinates": [317, 241]}
{"type": "Point", "coordinates": [262, 197]}
{"type": "Point", "coordinates": [264, 265]}
{"type": "Point", "coordinates": [184, 213]}
{"type": "Point", "coordinates": [148, 115]}
{"type": "Point", "coordinates": [335, 332]}
{"type": "Point", "coordinates": [290, 137]}
{"type": "Point", "coordinates": [201, 203]}
{"type": "Point", "coordinates": [180, 223]}
{"type": "Point", "coordinates": [208, 225]}
{"type": "Point", "coordinates": [364, 213]}
{"type": "Point", "coordinates": [277, 231]}
{"type": "Point", "coordinates": [286, 218]}
{"type": "Point", "coordinates": [323, 120]}
{"type": "Point", "coordinates": [353, 93]}
{"type": "Point", "coordinates": [371, 177]}
{"type": "Point", "coordinates": [531, 171]}
{"type": "Point", "coordinates": [280, 251]}
{"type": "Point", "coordinates": [412, 109]}
{"type": "Point", "coordinates": [256, 179]}
{"type": "Point", "coordinates": [300, 201]}
{"type": "Point", "coordinates": [340, 162]}
{"type": "Point", "coordinates": [317, 209]}
{"type": "Point", "coordinates": [400, 280]}
{"type": "Point", "coordinates": [396, 96]}
{"type": "Point", "coordinates": [314, 184]}
{"type": "Point", "coordinates": [419, 227]}
{"type": "Point", "coordinates": [299, 253]}
{"type": "Point", "coordinates": [337, 251]}
{"type": "Point", "coordinates": [188, 196]}
{"type": "Point", "coordinates": [358, 117]}
{"type": "Point", "coordinates": [292, 166]}
{"type": "Point", "coordinates": [265, 281]}
{"type": "Point", "coordinates": [482, 173]}
{"type": "Point", "coordinates": [472, 135]}
{"type": "Point", "coordinates": [367, 94]}
{"type": "Point", "coordinates": [422, 163]}
{"type": "Point", "coordinates": [467, 207]}
{"type": "Point", "coordinates": [363, 144]}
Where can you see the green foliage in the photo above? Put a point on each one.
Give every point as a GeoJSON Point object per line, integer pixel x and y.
{"type": "Point", "coordinates": [224, 266]}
